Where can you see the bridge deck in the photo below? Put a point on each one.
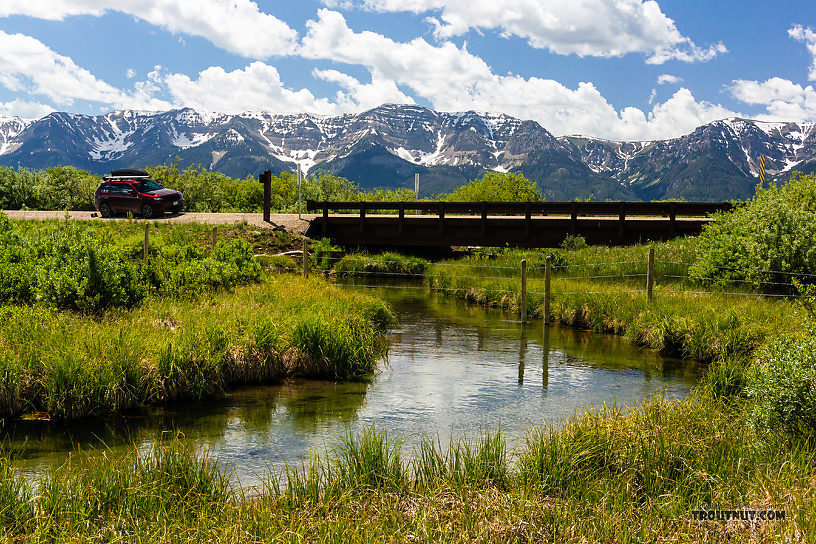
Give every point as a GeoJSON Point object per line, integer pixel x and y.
{"type": "Point", "coordinates": [594, 221]}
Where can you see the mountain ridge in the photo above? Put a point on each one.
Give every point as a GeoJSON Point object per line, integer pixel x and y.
{"type": "Point", "coordinates": [387, 145]}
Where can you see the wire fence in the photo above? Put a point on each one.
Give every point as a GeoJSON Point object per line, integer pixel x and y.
{"type": "Point", "coordinates": [621, 277]}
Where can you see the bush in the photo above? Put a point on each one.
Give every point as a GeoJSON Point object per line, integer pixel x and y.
{"type": "Point", "coordinates": [77, 272]}
{"type": "Point", "coordinates": [497, 187]}
{"type": "Point", "coordinates": [783, 386]}
{"type": "Point", "coordinates": [772, 232]}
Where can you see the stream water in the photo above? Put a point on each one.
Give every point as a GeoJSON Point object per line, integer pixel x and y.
{"type": "Point", "coordinates": [452, 369]}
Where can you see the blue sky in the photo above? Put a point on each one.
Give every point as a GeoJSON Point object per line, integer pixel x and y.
{"type": "Point", "coordinates": [619, 69]}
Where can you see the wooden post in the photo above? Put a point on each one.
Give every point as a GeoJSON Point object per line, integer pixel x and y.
{"type": "Point", "coordinates": [214, 236]}
{"type": "Point", "coordinates": [441, 217]}
{"type": "Point", "coordinates": [146, 240]}
{"type": "Point", "coordinates": [622, 221]}
{"type": "Point", "coordinates": [305, 259]}
{"type": "Point", "coordinates": [362, 218]}
{"type": "Point", "coordinates": [524, 290]}
{"type": "Point", "coordinates": [547, 267]}
{"type": "Point", "coordinates": [401, 226]}
{"type": "Point", "coordinates": [266, 179]}
{"type": "Point", "coordinates": [650, 275]}
{"type": "Point", "coordinates": [573, 218]}
{"type": "Point", "coordinates": [484, 218]}
{"type": "Point", "coordinates": [325, 217]}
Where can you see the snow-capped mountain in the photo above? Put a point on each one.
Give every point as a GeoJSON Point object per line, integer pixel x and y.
{"type": "Point", "coordinates": [717, 161]}
{"type": "Point", "coordinates": [385, 146]}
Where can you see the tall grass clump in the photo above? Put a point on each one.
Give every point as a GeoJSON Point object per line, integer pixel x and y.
{"type": "Point", "coordinates": [387, 264]}
{"type": "Point", "coordinates": [479, 463]}
{"type": "Point", "coordinates": [69, 365]}
{"type": "Point", "coordinates": [103, 495]}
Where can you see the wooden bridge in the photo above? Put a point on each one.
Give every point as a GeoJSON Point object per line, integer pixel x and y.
{"type": "Point", "coordinates": [519, 224]}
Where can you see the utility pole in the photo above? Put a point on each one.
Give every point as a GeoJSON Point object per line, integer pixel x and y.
{"type": "Point", "coordinates": [298, 183]}
{"type": "Point", "coordinates": [416, 189]}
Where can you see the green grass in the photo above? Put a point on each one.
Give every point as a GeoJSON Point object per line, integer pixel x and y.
{"type": "Point", "coordinates": [610, 475]}
{"type": "Point", "coordinates": [387, 264]}
{"type": "Point", "coordinates": [678, 322]}
{"type": "Point", "coordinates": [70, 365]}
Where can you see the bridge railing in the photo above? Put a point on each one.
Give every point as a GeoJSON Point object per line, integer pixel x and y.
{"type": "Point", "coordinates": [574, 209]}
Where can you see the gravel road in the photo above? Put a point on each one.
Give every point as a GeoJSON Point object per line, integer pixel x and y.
{"type": "Point", "coordinates": [287, 221]}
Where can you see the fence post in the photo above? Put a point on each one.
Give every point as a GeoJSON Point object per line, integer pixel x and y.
{"type": "Point", "coordinates": [305, 259]}
{"type": "Point", "coordinates": [547, 267]}
{"type": "Point", "coordinates": [146, 240]}
{"type": "Point", "coordinates": [650, 275]}
{"type": "Point", "coordinates": [524, 290]}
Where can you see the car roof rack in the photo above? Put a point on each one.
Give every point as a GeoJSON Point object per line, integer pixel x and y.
{"type": "Point", "coordinates": [126, 173]}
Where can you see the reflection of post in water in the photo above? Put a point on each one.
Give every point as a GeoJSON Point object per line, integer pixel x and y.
{"type": "Point", "coordinates": [545, 364]}
{"type": "Point", "coordinates": [522, 353]}
{"type": "Point", "coordinates": [438, 330]}
{"type": "Point", "coordinates": [480, 338]}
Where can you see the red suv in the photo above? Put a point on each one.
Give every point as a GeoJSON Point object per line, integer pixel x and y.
{"type": "Point", "coordinates": [133, 191]}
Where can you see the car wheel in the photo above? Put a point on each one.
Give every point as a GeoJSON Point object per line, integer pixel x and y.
{"type": "Point", "coordinates": [147, 211]}
{"type": "Point", "coordinates": [105, 210]}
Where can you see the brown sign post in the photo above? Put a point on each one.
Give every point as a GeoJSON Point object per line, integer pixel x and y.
{"type": "Point", "coordinates": [266, 179]}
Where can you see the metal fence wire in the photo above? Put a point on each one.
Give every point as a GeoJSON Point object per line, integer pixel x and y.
{"type": "Point", "coordinates": [438, 276]}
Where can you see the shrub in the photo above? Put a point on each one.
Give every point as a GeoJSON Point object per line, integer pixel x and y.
{"type": "Point", "coordinates": [783, 386]}
{"type": "Point", "coordinates": [77, 272]}
{"type": "Point", "coordinates": [772, 232]}
{"type": "Point", "coordinates": [497, 187]}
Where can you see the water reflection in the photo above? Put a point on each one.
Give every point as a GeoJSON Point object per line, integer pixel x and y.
{"type": "Point", "coordinates": [452, 368]}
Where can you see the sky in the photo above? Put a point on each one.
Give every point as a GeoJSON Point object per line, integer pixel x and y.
{"type": "Point", "coordinates": [617, 69]}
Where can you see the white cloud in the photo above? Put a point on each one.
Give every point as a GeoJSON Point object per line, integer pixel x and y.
{"type": "Point", "coordinates": [668, 78]}
{"type": "Point", "coordinates": [256, 87]}
{"type": "Point", "coordinates": [24, 109]}
{"type": "Point", "coordinates": [783, 99]}
{"type": "Point", "coordinates": [235, 25]}
{"type": "Point", "coordinates": [357, 96]}
{"type": "Point", "coordinates": [467, 82]}
{"type": "Point", "coordinates": [131, 73]}
{"type": "Point", "coordinates": [806, 35]}
{"type": "Point", "coordinates": [29, 65]}
{"type": "Point", "coordinates": [604, 28]}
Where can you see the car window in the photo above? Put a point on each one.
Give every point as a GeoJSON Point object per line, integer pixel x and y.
{"type": "Point", "coordinates": [127, 189]}
{"type": "Point", "coordinates": [147, 185]}
{"type": "Point", "coordinates": [114, 188]}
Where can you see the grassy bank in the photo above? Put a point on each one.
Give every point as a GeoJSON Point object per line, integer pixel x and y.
{"type": "Point", "coordinates": [607, 476]}
{"type": "Point", "coordinates": [603, 289]}
{"type": "Point", "coordinates": [69, 365]}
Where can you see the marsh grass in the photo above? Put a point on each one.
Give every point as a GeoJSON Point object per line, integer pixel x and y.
{"type": "Point", "coordinates": [69, 365]}
{"type": "Point", "coordinates": [610, 475]}
{"type": "Point", "coordinates": [701, 326]}
{"type": "Point", "coordinates": [387, 264]}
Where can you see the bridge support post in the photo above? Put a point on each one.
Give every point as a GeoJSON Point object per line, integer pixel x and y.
{"type": "Point", "coordinates": [524, 290]}
{"type": "Point", "coordinates": [650, 275]}
{"type": "Point", "coordinates": [547, 267]}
